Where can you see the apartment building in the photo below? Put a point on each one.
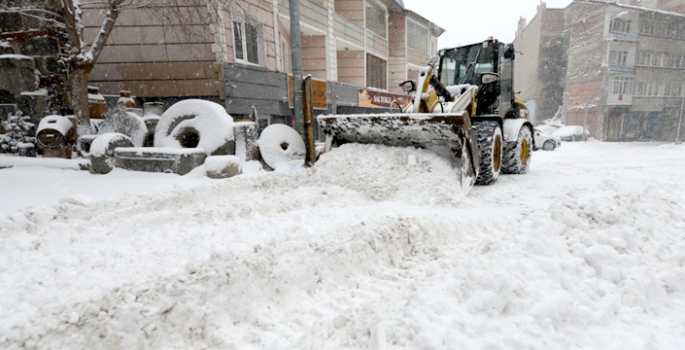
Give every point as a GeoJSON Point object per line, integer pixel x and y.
{"type": "Point", "coordinates": [238, 53]}
{"type": "Point", "coordinates": [677, 6]}
{"type": "Point", "coordinates": [626, 70]}
{"type": "Point", "coordinates": [540, 66]}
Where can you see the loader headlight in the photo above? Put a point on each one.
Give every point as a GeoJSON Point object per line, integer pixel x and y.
{"type": "Point", "coordinates": [487, 78]}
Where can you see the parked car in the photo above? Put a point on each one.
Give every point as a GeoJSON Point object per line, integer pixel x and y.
{"type": "Point", "coordinates": [545, 141]}
{"type": "Point", "coordinates": [572, 133]}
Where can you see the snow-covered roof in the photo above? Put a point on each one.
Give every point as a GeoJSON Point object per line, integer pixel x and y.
{"type": "Point", "coordinates": [645, 9]}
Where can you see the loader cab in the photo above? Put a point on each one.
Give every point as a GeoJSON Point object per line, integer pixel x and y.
{"type": "Point", "coordinates": [488, 65]}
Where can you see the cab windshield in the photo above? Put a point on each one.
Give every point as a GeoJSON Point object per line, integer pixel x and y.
{"type": "Point", "coordinates": [465, 64]}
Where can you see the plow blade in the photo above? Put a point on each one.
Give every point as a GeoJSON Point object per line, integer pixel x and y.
{"type": "Point", "coordinates": [449, 135]}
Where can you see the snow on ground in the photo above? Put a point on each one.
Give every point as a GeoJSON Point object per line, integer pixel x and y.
{"type": "Point", "coordinates": [372, 248]}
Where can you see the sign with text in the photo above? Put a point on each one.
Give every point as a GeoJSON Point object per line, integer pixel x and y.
{"type": "Point", "coordinates": [319, 92]}
{"type": "Point", "coordinates": [381, 99]}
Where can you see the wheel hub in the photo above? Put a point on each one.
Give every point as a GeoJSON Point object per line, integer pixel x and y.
{"type": "Point", "coordinates": [525, 151]}
{"type": "Point", "coordinates": [497, 154]}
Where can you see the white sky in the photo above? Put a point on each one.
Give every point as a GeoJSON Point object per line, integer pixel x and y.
{"type": "Point", "coordinates": [468, 21]}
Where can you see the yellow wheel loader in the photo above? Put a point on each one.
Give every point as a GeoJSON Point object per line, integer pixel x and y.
{"type": "Point", "coordinates": [463, 107]}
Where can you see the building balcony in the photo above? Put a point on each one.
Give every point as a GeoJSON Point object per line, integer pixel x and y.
{"type": "Point", "coordinates": [620, 99]}
{"type": "Point", "coordinates": [629, 37]}
{"type": "Point", "coordinates": [615, 68]}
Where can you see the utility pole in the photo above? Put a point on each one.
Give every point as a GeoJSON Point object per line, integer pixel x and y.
{"type": "Point", "coordinates": [296, 49]}
{"type": "Point", "coordinates": [587, 91]}
{"type": "Point", "coordinates": [680, 121]}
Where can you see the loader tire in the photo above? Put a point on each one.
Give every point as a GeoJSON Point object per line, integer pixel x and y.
{"type": "Point", "coordinates": [489, 140]}
{"type": "Point", "coordinates": [517, 154]}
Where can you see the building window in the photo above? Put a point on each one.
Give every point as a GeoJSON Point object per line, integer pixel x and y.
{"type": "Point", "coordinates": [619, 25]}
{"type": "Point", "coordinates": [286, 56]}
{"type": "Point", "coordinates": [621, 85]}
{"type": "Point", "coordinates": [376, 72]}
{"type": "Point", "coordinates": [661, 59]}
{"type": "Point", "coordinates": [644, 58]}
{"type": "Point", "coordinates": [647, 27]}
{"type": "Point", "coordinates": [678, 61]}
{"type": "Point", "coordinates": [662, 29]}
{"type": "Point", "coordinates": [618, 58]}
{"type": "Point", "coordinates": [680, 31]}
{"type": "Point", "coordinates": [246, 40]}
{"type": "Point", "coordinates": [641, 88]}
{"type": "Point", "coordinates": [417, 37]}
{"type": "Point", "coordinates": [376, 18]}
{"type": "Point", "coordinates": [657, 89]}
{"type": "Point", "coordinates": [674, 90]}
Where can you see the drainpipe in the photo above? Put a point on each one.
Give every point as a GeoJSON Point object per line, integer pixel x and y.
{"type": "Point", "coordinates": [296, 42]}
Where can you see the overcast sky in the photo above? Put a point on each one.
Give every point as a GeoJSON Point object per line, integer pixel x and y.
{"type": "Point", "coordinates": [471, 21]}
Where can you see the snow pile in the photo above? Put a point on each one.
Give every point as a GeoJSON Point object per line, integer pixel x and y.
{"type": "Point", "coordinates": [101, 144]}
{"type": "Point", "coordinates": [372, 248]}
{"type": "Point", "coordinates": [124, 122]}
{"type": "Point", "coordinates": [209, 119]}
{"type": "Point", "coordinates": [218, 163]}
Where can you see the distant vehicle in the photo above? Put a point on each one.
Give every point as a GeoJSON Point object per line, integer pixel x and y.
{"type": "Point", "coordinates": [572, 133]}
{"type": "Point", "coordinates": [545, 141]}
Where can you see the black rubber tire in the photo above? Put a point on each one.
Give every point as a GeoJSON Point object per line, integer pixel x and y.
{"type": "Point", "coordinates": [490, 141]}
{"type": "Point", "coordinates": [517, 155]}
{"type": "Point", "coordinates": [549, 145]}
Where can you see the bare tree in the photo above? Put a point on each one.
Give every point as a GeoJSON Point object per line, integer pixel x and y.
{"type": "Point", "coordinates": [82, 50]}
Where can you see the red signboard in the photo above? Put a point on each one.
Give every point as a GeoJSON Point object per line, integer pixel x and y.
{"type": "Point", "coordinates": [382, 99]}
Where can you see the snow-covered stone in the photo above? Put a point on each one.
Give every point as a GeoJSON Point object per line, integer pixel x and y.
{"type": "Point", "coordinates": [202, 121]}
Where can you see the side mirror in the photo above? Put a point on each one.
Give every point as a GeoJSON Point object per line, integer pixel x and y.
{"type": "Point", "coordinates": [509, 53]}
{"type": "Point", "coordinates": [408, 86]}
{"type": "Point", "coordinates": [487, 78]}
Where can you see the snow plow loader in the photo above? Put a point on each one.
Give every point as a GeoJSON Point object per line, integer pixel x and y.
{"type": "Point", "coordinates": [462, 107]}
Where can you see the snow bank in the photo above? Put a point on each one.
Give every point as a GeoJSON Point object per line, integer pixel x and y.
{"type": "Point", "coordinates": [372, 248]}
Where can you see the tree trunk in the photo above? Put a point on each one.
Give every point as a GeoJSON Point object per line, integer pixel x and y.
{"type": "Point", "coordinates": [79, 101]}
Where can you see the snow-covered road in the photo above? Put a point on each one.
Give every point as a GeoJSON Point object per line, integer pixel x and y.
{"type": "Point", "coordinates": [373, 248]}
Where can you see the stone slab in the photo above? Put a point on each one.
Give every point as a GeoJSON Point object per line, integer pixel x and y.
{"type": "Point", "coordinates": [159, 160]}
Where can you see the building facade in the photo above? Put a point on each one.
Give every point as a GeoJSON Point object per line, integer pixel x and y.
{"type": "Point", "coordinates": [625, 71]}
{"type": "Point", "coordinates": [540, 65]}
{"type": "Point", "coordinates": [238, 53]}
{"type": "Point", "coordinates": [617, 68]}
{"type": "Point", "coordinates": [677, 6]}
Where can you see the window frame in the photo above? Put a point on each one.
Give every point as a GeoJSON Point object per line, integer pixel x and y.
{"type": "Point", "coordinates": [620, 57]}
{"type": "Point", "coordinates": [286, 55]}
{"type": "Point", "coordinates": [243, 21]}
{"type": "Point", "coordinates": [674, 90]}
{"type": "Point", "coordinates": [647, 27]}
{"type": "Point", "coordinates": [382, 68]}
{"type": "Point", "coordinates": [641, 88]}
{"type": "Point", "coordinates": [644, 55]}
{"type": "Point", "coordinates": [427, 41]}
{"type": "Point", "coordinates": [660, 59]}
{"type": "Point", "coordinates": [385, 17]}
{"type": "Point", "coordinates": [620, 25]}
{"type": "Point", "coordinates": [621, 85]}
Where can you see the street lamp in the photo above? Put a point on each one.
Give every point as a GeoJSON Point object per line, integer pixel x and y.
{"type": "Point", "coordinates": [587, 83]}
